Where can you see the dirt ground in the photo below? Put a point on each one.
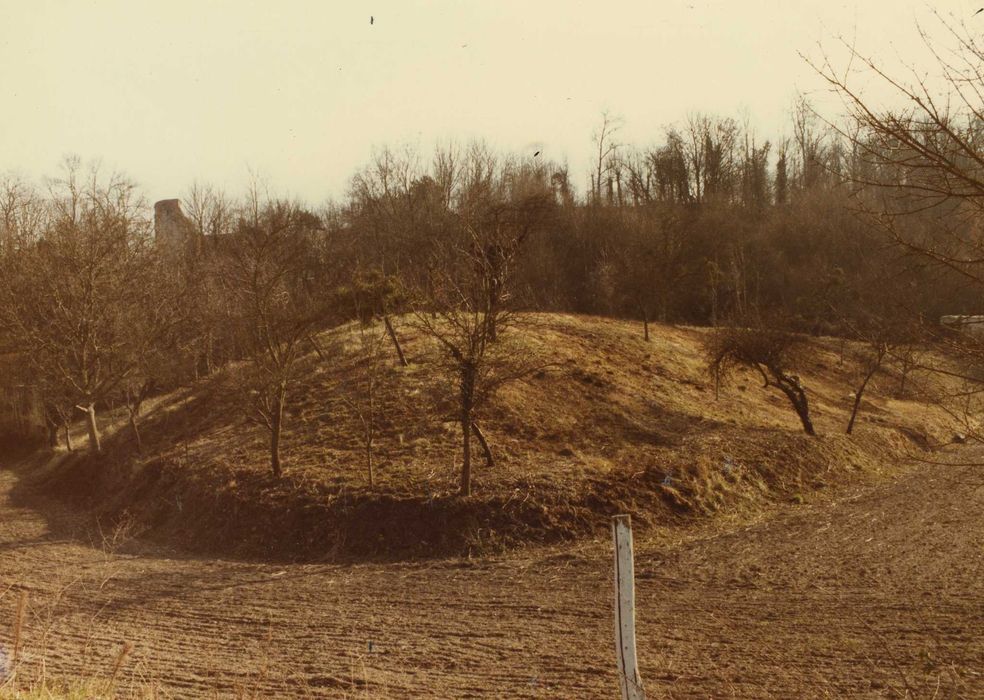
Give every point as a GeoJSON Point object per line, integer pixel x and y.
{"type": "Point", "coordinates": [858, 594]}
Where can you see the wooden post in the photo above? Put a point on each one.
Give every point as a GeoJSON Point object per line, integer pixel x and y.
{"type": "Point", "coordinates": [629, 681]}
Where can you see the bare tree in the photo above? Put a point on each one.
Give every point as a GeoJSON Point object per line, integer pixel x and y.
{"type": "Point", "coordinates": [908, 356]}
{"type": "Point", "coordinates": [267, 273]}
{"type": "Point", "coordinates": [771, 353]}
{"type": "Point", "coordinates": [156, 359]}
{"type": "Point", "coordinates": [606, 150]}
{"type": "Point", "coordinates": [209, 210]}
{"type": "Point", "coordinates": [870, 358]}
{"type": "Point", "coordinates": [369, 292]}
{"type": "Point", "coordinates": [22, 213]}
{"type": "Point", "coordinates": [808, 137]}
{"type": "Point", "coordinates": [462, 303]}
{"type": "Point", "coordinates": [390, 203]}
{"type": "Point", "coordinates": [917, 163]}
{"type": "Point", "coordinates": [654, 260]}
{"type": "Point", "coordinates": [211, 218]}
{"type": "Point", "coordinates": [364, 398]}
{"type": "Point", "coordinates": [70, 298]}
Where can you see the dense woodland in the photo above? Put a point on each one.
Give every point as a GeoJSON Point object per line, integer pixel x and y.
{"type": "Point", "coordinates": [863, 228]}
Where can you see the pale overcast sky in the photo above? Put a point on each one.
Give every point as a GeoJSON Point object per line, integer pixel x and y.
{"type": "Point", "coordinates": [170, 92]}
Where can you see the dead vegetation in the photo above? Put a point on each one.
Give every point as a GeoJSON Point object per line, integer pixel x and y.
{"type": "Point", "coordinates": [612, 424]}
{"type": "Point", "coordinates": [772, 353]}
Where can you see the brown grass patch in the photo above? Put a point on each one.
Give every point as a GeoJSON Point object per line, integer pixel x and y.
{"type": "Point", "coordinates": [612, 424]}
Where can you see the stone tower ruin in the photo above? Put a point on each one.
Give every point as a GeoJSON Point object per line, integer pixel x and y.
{"type": "Point", "coordinates": [172, 229]}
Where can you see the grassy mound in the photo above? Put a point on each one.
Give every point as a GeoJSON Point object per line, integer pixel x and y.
{"type": "Point", "coordinates": [611, 424]}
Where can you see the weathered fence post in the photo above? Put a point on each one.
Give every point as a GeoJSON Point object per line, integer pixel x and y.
{"type": "Point", "coordinates": [629, 680]}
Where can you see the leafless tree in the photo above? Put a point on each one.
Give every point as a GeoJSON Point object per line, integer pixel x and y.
{"type": "Point", "coordinates": [462, 302]}
{"type": "Point", "coordinates": [157, 359]}
{"type": "Point", "coordinates": [266, 273]}
{"type": "Point", "coordinates": [209, 210]}
{"type": "Point", "coordinates": [909, 355]}
{"type": "Point", "coordinates": [70, 298]}
{"type": "Point", "coordinates": [370, 292]}
{"type": "Point", "coordinates": [390, 201]}
{"type": "Point", "coordinates": [918, 159]}
{"type": "Point", "coordinates": [364, 398]}
{"type": "Point", "coordinates": [22, 213]}
{"type": "Point", "coordinates": [605, 156]}
{"type": "Point", "coordinates": [772, 353]}
{"type": "Point", "coordinates": [809, 139]}
{"type": "Point", "coordinates": [654, 260]}
{"type": "Point", "coordinates": [212, 217]}
{"type": "Point", "coordinates": [870, 358]}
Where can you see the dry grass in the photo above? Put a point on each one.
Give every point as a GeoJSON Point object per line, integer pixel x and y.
{"type": "Point", "coordinates": [611, 422]}
{"type": "Point", "coordinates": [23, 674]}
{"type": "Point", "coordinates": [69, 691]}
{"type": "Point", "coordinates": [606, 392]}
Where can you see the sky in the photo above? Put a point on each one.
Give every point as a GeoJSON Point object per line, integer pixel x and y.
{"type": "Point", "coordinates": [175, 92]}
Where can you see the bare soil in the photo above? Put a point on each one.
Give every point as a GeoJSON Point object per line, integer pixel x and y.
{"type": "Point", "coordinates": [875, 590]}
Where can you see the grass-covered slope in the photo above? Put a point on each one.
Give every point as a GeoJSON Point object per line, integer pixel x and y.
{"type": "Point", "coordinates": [611, 424]}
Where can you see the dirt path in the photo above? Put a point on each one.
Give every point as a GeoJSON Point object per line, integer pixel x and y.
{"type": "Point", "coordinates": [849, 598]}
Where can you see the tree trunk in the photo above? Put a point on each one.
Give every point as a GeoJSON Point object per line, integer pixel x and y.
{"type": "Point", "coordinates": [52, 433]}
{"type": "Point", "coordinates": [645, 325]}
{"type": "Point", "coordinates": [794, 392]}
{"type": "Point", "coordinates": [467, 388]}
{"type": "Point", "coordinates": [489, 459]}
{"type": "Point", "coordinates": [803, 411]}
{"type": "Point", "coordinates": [857, 402]}
{"type": "Point", "coordinates": [396, 341]}
{"type": "Point", "coordinates": [135, 429]}
{"type": "Point", "coordinates": [466, 423]}
{"type": "Point", "coordinates": [714, 301]}
{"type": "Point", "coordinates": [95, 442]}
{"type": "Point", "coordinates": [317, 348]}
{"type": "Point", "coordinates": [906, 366]}
{"type": "Point", "coordinates": [209, 354]}
{"type": "Point", "coordinates": [276, 425]}
{"type": "Point", "coordinates": [68, 436]}
{"type": "Point", "coordinates": [370, 422]}
{"type": "Point", "coordinates": [491, 316]}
